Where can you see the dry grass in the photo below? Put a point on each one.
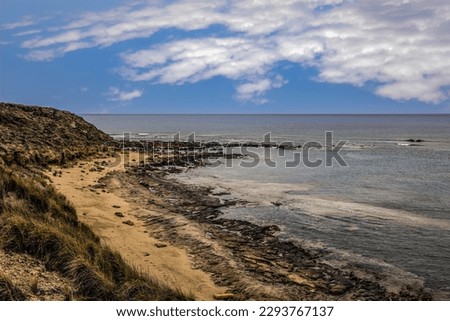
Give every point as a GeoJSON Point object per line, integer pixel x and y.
{"type": "Point", "coordinates": [36, 220]}
{"type": "Point", "coordinates": [8, 292]}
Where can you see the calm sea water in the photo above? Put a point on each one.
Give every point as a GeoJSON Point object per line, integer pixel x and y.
{"type": "Point", "coordinates": [390, 204]}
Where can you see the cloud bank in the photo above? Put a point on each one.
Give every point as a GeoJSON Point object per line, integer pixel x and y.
{"type": "Point", "coordinates": [400, 47]}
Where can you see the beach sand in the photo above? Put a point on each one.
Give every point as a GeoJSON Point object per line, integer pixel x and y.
{"type": "Point", "coordinates": [99, 208]}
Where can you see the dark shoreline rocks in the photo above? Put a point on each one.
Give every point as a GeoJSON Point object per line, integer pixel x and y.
{"type": "Point", "coordinates": [280, 270]}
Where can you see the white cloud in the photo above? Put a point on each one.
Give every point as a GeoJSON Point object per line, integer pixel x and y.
{"type": "Point", "coordinates": [402, 47]}
{"type": "Point", "coordinates": [25, 22]}
{"type": "Point", "coordinates": [115, 94]}
{"type": "Point", "coordinates": [193, 60]}
{"type": "Point", "coordinates": [27, 33]}
{"type": "Point", "coordinates": [254, 91]}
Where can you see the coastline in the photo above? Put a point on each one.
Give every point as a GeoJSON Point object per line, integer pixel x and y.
{"type": "Point", "coordinates": [233, 259]}
{"type": "Point", "coordinates": [114, 217]}
{"type": "Point", "coordinates": [116, 214]}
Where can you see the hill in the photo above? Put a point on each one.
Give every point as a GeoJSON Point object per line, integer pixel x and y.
{"type": "Point", "coordinates": [43, 135]}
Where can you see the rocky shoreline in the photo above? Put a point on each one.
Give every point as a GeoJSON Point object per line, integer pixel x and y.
{"type": "Point", "coordinates": [248, 259]}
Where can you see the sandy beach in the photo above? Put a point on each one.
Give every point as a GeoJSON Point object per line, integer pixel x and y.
{"type": "Point", "coordinates": [127, 234]}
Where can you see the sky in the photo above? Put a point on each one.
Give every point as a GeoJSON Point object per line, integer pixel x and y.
{"type": "Point", "coordinates": [208, 56]}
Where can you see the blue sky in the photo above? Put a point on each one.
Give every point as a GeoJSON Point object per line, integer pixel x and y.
{"type": "Point", "coordinates": [207, 56]}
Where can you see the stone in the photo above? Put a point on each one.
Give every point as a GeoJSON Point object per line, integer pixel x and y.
{"type": "Point", "coordinates": [160, 245]}
{"type": "Point", "coordinates": [128, 223]}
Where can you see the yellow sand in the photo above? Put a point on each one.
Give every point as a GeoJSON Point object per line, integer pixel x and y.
{"type": "Point", "coordinates": [95, 208]}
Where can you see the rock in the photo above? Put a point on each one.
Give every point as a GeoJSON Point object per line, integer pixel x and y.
{"type": "Point", "coordinates": [263, 267]}
{"type": "Point", "coordinates": [119, 214]}
{"type": "Point", "coordinates": [141, 182]}
{"type": "Point", "coordinates": [100, 185]}
{"type": "Point", "coordinates": [250, 257]}
{"type": "Point", "coordinates": [249, 261]}
{"type": "Point", "coordinates": [116, 206]}
{"type": "Point", "coordinates": [224, 296]}
{"type": "Point", "coordinates": [128, 223]}
{"type": "Point", "coordinates": [338, 289]}
{"type": "Point", "coordinates": [297, 279]}
{"type": "Point", "coordinates": [284, 265]}
{"type": "Point", "coordinates": [160, 245]}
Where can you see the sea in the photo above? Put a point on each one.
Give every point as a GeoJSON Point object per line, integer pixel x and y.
{"type": "Point", "coordinates": [379, 200]}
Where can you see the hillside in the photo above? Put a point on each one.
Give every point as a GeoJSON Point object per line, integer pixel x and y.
{"type": "Point", "coordinates": [43, 135]}
{"type": "Point", "coordinates": [46, 253]}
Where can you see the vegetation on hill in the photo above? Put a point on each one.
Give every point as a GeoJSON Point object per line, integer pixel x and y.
{"type": "Point", "coordinates": [45, 136]}
{"type": "Point", "coordinates": [37, 221]}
